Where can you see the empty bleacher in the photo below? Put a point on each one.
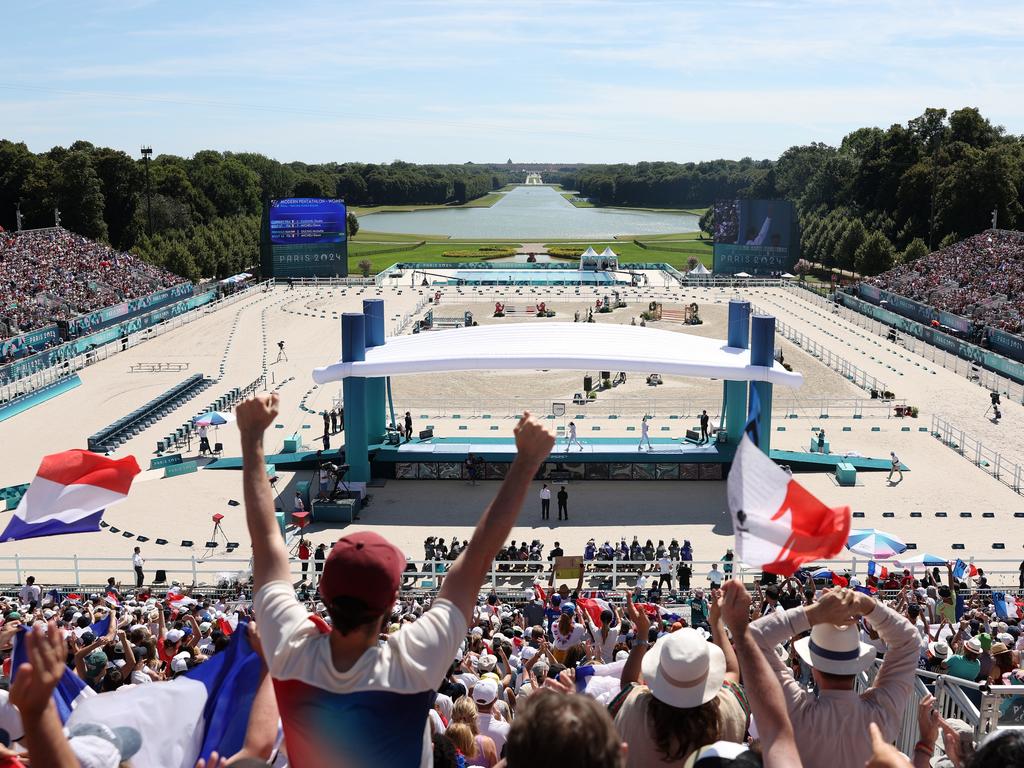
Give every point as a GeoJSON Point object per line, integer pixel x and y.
{"type": "Point", "coordinates": [113, 436]}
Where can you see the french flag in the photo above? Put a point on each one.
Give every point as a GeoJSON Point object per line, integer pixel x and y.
{"type": "Point", "coordinates": [71, 690]}
{"type": "Point", "coordinates": [1006, 606]}
{"type": "Point", "coordinates": [779, 525]}
{"type": "Point", "coordinates": [69, 493]}
{"type": "Point", "coordinates": [205, 709]}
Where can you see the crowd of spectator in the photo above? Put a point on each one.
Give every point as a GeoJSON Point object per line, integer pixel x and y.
{"type": "Point", "coordinates": [356, 674]}
{"type": "Point", "coordinates": [981, 278]}
{"type": "Point", "coordinates": [54, 274]}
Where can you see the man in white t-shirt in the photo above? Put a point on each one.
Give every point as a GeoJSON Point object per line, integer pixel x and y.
{"type": "Point", "coordinates": [339, 691]}
{"type": "Point", "coordinates": [30, 593]}
{"type": "Point", "coordinates": [545, 502]}
{"type": "Point", "coordinates": [715, 576]}
{"type": "Point", "coordinates": [664, 572]}
{"type": "Point", "coordinates": [485, 693]}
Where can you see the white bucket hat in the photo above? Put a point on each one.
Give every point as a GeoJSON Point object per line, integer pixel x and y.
{"type": "Point", "coordinates": [940, 650]}
{"type": "Point", "coordinates": [835, 650]}
{"type": "Point", "coordinates": [684, 670]}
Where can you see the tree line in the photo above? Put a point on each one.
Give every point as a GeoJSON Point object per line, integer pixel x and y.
{"type": "Point", "coordinates": [212, 200]}
{"type": "Point", "coordinates": [881, 197]}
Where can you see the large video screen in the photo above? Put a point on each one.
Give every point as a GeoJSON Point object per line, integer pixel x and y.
{"type": "Point", "coordinates": [305, 237]}
{"type": "Point", "coordinates": [759, 237]}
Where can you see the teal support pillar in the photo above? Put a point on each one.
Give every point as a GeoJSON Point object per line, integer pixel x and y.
{"type": "Point", "coordinates": [736, 391]}
{"type": "Point", "coordinates": [376, 387]}
{"type": "Point", "coordinates": [353, 349]}
{"type": "Point", "coordinates": [762, 352]}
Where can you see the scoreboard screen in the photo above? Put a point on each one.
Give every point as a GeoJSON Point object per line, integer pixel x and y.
{"type": "Point", "coordinates": [305, 237]}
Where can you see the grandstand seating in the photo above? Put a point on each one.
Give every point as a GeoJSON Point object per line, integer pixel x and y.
{"type": "Point", "coordinates": [130, 425]}
{"type": "Point", "coordinates": [50, 275]}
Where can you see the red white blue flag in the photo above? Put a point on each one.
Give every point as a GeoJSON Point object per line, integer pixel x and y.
{"type": "Point", "coordinates": [69, 493]}
{"type": "Point", "coordinates": [779, 525]}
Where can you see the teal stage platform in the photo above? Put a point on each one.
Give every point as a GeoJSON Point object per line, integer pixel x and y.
{"type": "Point", "coordinates": [393, 461]}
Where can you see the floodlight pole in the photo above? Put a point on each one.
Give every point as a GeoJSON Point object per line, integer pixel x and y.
{"type": "Point", "coordinates": [147, 151]}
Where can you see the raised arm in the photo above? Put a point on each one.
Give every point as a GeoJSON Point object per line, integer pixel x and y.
{"type": "Point", "coordinates": [634, 662]}
{"type": "Point", "coordinates": [719, 638]}
{"type": "Point", "coordinates": [533, 444]}
{"type": "Point", "coordinates": [32, 694]}
{"type": "Point", "coordinates": [769, 704]}
{"type": "Point", "coordinates": [269, 556]}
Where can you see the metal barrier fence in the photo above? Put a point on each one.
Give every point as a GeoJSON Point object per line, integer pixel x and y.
{"type": "Point", "coordinates": [424, 576]}
{"type": "Point", "coordinates": [42, 377]}
{"type": "Point", "coordinates": [1008, 472]}
{"type": "Point", "coordinates": [402, 325]}
{"type": "Point", "coordinates": [982, 377]}
{"type": "Point", "coordinates": [322, 282]}
{"type": "Point", "coordinates": [839, 364]}
{"type": "Point", "coordinates": [604, 407]}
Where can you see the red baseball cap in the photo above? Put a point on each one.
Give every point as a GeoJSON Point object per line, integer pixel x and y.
{"type": "Point", "coordinates": [365, 566]}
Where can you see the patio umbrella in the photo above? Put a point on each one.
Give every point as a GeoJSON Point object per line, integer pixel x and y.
{"type": "Point", "coordinates": [787, 275]}
{"type": "Point", "coordinates": [878, 545]}
{"type": "Point", "coordinates": [741, 274]}
{"type": "Point", "coordinates": [924, 559]}
{"type": "Point", "coordinates": [213, 419]}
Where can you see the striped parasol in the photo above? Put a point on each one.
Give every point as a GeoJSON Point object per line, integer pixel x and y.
{"type": "Point", "coordinates": [878, 545]}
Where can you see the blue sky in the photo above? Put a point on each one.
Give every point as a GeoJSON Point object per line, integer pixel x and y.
{"type": "Point", "coordinates": [557, 81]}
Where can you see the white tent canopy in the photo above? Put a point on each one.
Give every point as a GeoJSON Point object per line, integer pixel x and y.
{"type": "Point", "coordinates": [609, 253]}
{"type": "Point", "coordinates": [700, 269]}
{"type": "Point", "coordinates": [559, 346]}
{"type": "Point", "coordinates": [742, 274]}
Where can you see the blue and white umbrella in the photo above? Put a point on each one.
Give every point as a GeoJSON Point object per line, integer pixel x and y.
{"type": "Point", "coordinates": [213, 419]}
{"type": "Point", "coordinates": [918, 560]}
{"type": "Point", "coordinates": [878, 545]}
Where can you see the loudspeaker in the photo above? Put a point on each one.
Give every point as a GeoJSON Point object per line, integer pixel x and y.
{"type": "Point", "coordinates": [160, 578]}
{"type": "Point", "coordinates": [426, 434]}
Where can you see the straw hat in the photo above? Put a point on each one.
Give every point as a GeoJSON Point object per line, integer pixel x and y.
{"type": "Point", "coordinates": [835, 650]}
{"type": "Point", "coordinates": [684, 670]}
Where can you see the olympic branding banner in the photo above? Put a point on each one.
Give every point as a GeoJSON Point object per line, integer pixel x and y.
{"type": "Point", "coordinates": [126, 309]}
{"type": "Point", "coordinates": [26, 343]}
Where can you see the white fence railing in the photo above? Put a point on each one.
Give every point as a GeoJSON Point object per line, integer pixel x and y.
{"type": "Point", "coordinates": [43, 376]}
{"type": "Point", "coordinates": [1006, 471]}
{"type": "Point", "coordinates": [210, 567]}
{"type": "Point", "coordinates": [839, 364]}
{"type": "Point", "coordinates": [607, 405]}
{"type": "Point", "coordinates": [982, 377]}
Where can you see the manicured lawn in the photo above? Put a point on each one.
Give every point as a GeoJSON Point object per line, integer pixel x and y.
{"type": "Point", "coordinates": [483, 202]}
{"type": "Point", "coordinates": [681, 251]}
{"type": "Point", "coordinates": [571, 197]}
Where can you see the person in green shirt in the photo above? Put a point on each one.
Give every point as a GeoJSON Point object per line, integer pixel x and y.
{"type": "Point", "coordinates": [967, 664]}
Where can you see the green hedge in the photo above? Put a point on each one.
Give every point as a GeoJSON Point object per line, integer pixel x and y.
{"type": "Point", "coordinates": [484, 252]}
{"type": "Point", "coordinates": [565, 253]}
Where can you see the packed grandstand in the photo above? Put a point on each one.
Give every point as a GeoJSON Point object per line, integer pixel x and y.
{"type": "Point", "coordinates": [980, 278]}
{"type": "Point", "coordinates": [54, 274]}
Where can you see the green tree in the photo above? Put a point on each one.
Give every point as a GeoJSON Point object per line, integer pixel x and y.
{"type": "Point", "coordinates": [916, 249]}
{"type": "Point", "coordinates": [853, 237]}
{"type": "Point", "coordinates": [80, 196]}
{"type": "Point", "coordinates": [875, 255]}
{"type": "Point", "coordinates": [352, 223]}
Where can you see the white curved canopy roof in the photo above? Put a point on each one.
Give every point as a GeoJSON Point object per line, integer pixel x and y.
{"type": "Point", "coordinates": [542, 345]}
